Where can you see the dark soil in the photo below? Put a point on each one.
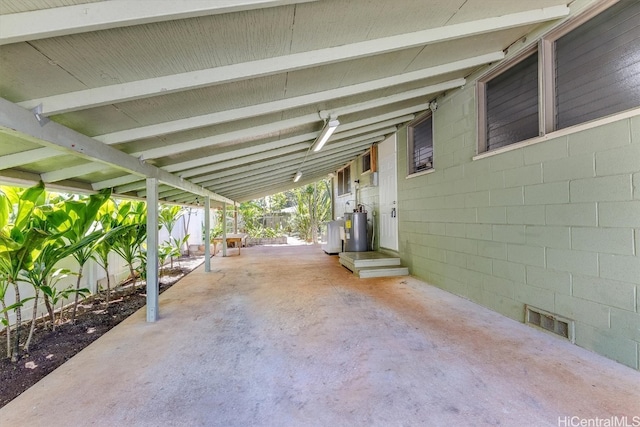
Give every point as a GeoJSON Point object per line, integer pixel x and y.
{"type": "Point", "coordinates": [50, 349]}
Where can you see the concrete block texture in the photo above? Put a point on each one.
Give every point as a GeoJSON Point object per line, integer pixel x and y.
{"type": "Point", "coordinates": [523, 254]}
{"type": "Point", "coordinates": [601, 189]}
{"type": "Point", "coordinates": [619, 160]}
{"type": "Point", "coordinates": [619, 214]}
{"type": "Point", "coordinates": [548, 236]}
{"type": "Point", "coordinates": [577, 214]}
{"type": "Point", "coordinates": [554, 224]}
{"type": "Point", "coordinates": [547, 194]}
{"type": "Point", "coordinates": [532, 215]}
{"type": "Point", "coordinates": [581, 310]}
{"type": "Point", "coordinates": [626, 322]}
{"type": "Point", "coordinates": [569, 168]}
{"type": "Point", "coordinates": [600, 138]}
{"type": "Point", "coordinates": [547, 150]}
{"type": "Point", "coordinates": [620, 267]}
{"type": "Point", "coordinates": [526, 175]}
{"type": "Point", "coordinates": [552, 280]}
{"type": "Point", "coordinates": [573, 261]}
{"type": "Point", "coordinates": [507, 196]}
{"type": "Point", "coordinates": [604, 240]}
{"type": "Point", "coordinates": [613, 293]}
{"type": "Point", "coordinates": [608, 343]}
{"type": "Point", "coordinates": [509, 233]}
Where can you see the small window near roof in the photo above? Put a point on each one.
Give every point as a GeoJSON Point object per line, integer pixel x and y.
{"type": "Point", "coordinates": [420, 145]}
{"type": "Point", "coordinates": [597, 66]}
{"type": "Point", "coordinates": [344, 181]}
{"type": "Point", "coordinates": [590, 69]}
{"type": "Point", "coordinates": [368, 160]}
{"type": "Point", "coordinates": [511, 104]}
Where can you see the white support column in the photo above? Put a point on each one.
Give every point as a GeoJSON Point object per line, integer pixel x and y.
{"type": "Point", "coordinates": [152, 250]}
{"type": "Point", "coordinates": [235, 217]}
{"type": "Point", "coordinates": [207, 234]}
{"type": "Point", "coordinates": [224, 229]}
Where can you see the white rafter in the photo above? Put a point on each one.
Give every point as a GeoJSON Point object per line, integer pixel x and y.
{"type": "Point", "coordinates": [81, 18]}
{"type": "Point", "coordinates": [222, 138]}
{"type": "Point", "coordinates": [18, 121]}
{"type": "Point", "coordinates": [257, 148]}
{"type": "Point", "coordinates": [150, 131]}
{"type": "Point", "coordinates": [26, 157]}
{"type": "Point", "coordinates": [229, 160]}
{"type": "Point", "coordinates": [96, 97]}
{"type": "Point", "coordinates": [296, 121]}
{"type": "Point", "coordinates": [72, 172]}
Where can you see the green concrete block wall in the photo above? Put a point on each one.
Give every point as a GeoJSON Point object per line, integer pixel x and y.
{"type": "Point", "coordinates": [555, 225]}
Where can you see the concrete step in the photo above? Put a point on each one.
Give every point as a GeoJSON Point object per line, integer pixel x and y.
{"type": "Point", "coordinates": [368, 272]}
{"type": "Point", "coordinates": [372, 264]}
{"type": "Point", "coordinates": [369, 259]}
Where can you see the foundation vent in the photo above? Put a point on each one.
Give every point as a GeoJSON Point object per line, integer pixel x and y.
{"type": "Point", "coordinates": [550, 322]}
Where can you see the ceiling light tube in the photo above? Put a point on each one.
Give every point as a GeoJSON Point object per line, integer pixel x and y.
{"type": "Point", "coordinates": [297, 177]}
{"type": "Point", "coordinates": [326, 133]}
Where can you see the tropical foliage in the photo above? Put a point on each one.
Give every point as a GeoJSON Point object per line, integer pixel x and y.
{"type": "Point", "coordinates": [313, 208]}
{"type": "Point", "coordinates": [38, 231]}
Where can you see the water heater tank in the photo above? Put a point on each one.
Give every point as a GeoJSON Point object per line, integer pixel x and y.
{"type": "Point", "coordinates": [355, 232]}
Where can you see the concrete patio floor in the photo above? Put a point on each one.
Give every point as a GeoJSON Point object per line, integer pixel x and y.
{"type": "Point", "coordinates": [285, 336]}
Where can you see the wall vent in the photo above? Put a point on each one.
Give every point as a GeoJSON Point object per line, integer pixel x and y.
{"type": "Point", "coordinates": [550, 322]}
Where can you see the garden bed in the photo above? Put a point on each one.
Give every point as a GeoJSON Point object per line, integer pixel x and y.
{"type": "Point", "coordinates": [50, 349]}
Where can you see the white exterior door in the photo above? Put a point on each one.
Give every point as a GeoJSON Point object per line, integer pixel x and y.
{"type": "Point", "coordinates": [388, 185]}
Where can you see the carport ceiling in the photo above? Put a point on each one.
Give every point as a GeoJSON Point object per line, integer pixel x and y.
{"type": "Point", "coordinates": [225, 98]}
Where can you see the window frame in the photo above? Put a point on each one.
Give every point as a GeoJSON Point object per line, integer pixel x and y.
{"type": "Point", "coordinates": [546, 86]}
{"type": "Point", "coordinates": [410, 144]}
{"type": "Point", "coordinates": [344, 187]}
{"type": "Point", "coordinates": [481, 94]}
{"type": "Point", "coordinates": [371, 153]}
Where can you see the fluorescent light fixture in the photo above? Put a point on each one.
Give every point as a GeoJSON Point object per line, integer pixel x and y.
{"type": "Point", "coordinates": [297, 177]}
{"type": "Point", "coordinates": [326, 133]}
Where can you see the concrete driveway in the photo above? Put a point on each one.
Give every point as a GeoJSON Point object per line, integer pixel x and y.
{"type": "Point", "coordinates": [285, 336]}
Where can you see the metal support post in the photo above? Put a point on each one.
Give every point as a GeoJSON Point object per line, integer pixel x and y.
{"type": "Point", "coordinates": [207, 234]}
{"type": "Point", "coordinates": [224, 229]}
{"type": "Point", "coordinates": [152, 250]}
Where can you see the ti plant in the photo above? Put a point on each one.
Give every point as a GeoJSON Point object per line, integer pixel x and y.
{"type": "Point", "coordinates": [20, 244]}
{"type": "Point", "coordinates": [132, 218]}
{"type": "Point", "coordinates": [80, 230]}
{"type": "Point", "coordinates": [168, 218]}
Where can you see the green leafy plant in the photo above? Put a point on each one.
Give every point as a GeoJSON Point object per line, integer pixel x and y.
{"type": "Point", "coordinates": [168, 217]}
{"type": "Point", "coordinates": [312, 209]}
{"type": "Point", "coordinates": [81, 227]}
{"type": "Point", "coordinates": [53, 295]}
{"type": "Point", "coordinates": [57, 295]}
{"type": "Point", "coordinates": [4, 287]}
{"type": "Point", "coordinates": [20, 244]}
{"type": "Point", "coordinates": [111, 228]}
{"type": "Point", "coordinates": [132, 218]}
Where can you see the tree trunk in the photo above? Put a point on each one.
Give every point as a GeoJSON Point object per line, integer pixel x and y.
{"type": "Point", "coordinates": [33, 320]}
{"type": "Point", "coordinates": [106, 270]}
{"type": "Point", "coordinates": [61, 310]}
{"type": "Point", "coordinates": [15, 355]}
{"type": "Point", "coordinates": [52, 315]}
{"type": "Point", "coordinates": [133, 275]}
{"type": "Point", "coordinates": [6, 318]}
{"type": "Point", "coordinates": [75, 301]}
